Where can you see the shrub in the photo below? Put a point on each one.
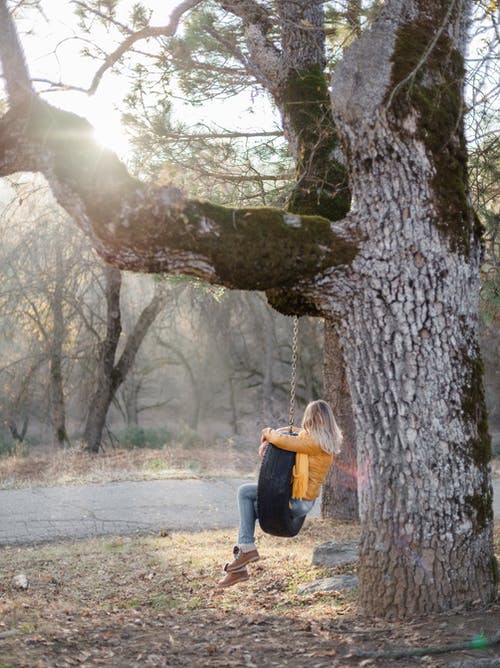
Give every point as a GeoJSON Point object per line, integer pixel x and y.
{"type": "Point", "coordinates": [188, 437]}
{"type": "Point", "coordinates": [7, 445]}
{"type": "Point", "coordinates": [140, 437]}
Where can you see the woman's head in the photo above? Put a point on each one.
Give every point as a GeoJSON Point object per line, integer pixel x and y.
{"type": "Point", "coordinates": [319, 421]}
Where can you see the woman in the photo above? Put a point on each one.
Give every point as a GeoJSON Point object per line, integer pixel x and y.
{"type": "Point", "coordinates": [316, 443]}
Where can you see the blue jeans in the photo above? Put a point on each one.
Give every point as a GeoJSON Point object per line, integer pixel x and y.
{"type": "Point", "coordinates": [247, 508]}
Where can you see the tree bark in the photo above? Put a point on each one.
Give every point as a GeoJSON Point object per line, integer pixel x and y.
{"type": "Point", "coordinates": [340, 491]}
{"type": "Point", "coordinates": [103, 396]}
{"type": "Point", "coordinates": [410, 335]}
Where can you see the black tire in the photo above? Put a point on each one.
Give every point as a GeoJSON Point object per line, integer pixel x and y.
{"type": "Point", "coordinates": [273, 493]}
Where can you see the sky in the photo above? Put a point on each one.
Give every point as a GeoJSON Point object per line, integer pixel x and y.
{"type": "Point", "coordinates": [53, 45]}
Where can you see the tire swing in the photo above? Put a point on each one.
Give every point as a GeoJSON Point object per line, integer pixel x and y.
{"type": "Point", "coordinates": [275, 475]}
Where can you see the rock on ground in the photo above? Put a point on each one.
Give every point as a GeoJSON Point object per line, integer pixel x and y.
{"type": "Point", "coordinates": [335, 553]}
{"type": "Point", "coordinates": [336, 583]}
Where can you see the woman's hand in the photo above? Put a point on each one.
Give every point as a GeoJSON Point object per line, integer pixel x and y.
{"type": "Point", "coordinates": [262, 448]}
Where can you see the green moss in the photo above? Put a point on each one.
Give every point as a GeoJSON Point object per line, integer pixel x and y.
{"type": "Point", "coordinates": [431, 84]}
{"type": "Point", "coordinates": [474, 409]}
{"type": "Point", "coordinates": [267, 246]}
{"type": "Point", "coordinates": [479, 451]}
{"type": "Point", "coordinates": [321, 186]}
{"type": "Point", "coordinates": [289, 302]}
{"type": "Point", "coordinates": [481, 509]}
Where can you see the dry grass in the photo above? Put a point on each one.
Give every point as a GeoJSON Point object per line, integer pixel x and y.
{"type": "Point", "coordinates": [72, 467]}
{"type": "Point", "coordinates": [28, 468]}
{"type": "Point", "coordinates": [151, 601]}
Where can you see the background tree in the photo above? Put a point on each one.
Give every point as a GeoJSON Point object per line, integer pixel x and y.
{"type": "Point", "coordinates": [50, 293]}
{"type": "Point", "coordinates": [41, 288]}
{"type": "Point", "coordinates": [111, 372]}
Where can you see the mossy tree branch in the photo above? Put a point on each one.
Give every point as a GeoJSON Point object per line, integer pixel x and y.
{"type": "Point", "coordinates": [142, 227]}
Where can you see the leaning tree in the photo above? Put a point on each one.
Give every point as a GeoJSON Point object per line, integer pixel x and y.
{"type": "Point", "coordinates": [399, 272]}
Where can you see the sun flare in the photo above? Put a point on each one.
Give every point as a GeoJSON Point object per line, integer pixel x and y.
{"type": "Point", "coordinates": [109, 133]}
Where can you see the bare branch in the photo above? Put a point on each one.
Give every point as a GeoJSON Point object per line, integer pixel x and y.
{"type": "Point", "coordinates": [219, 135]}
{"type": "Point", "coordinates": [150, 31]}
{"type": "Point", "coordinates": [58, 86]}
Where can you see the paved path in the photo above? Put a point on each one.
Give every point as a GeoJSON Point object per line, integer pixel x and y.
{"type": "Point", "coordinates": [51, 513]}
{"type": "Point", "coordinates": [42, 514]}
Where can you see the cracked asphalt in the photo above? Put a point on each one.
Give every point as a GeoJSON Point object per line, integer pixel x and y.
{"type": "Point", "coordinates": [43, 514]}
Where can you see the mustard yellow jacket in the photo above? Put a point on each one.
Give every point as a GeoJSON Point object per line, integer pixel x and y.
{"type": "Point", "coordinates": [319, 460]}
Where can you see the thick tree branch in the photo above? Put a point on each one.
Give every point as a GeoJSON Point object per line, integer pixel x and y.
{"type": "Point", "coordinates": [147, 228]}
{"type": "Point", "coordinates": [265, 58]}
{"type": "Point", "coordinates": [15, 71]}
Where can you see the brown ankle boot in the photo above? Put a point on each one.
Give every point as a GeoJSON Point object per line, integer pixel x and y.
{"type": "Point", "coordinates": [241, 559]}
{"type": "Point", "coordinates": [233, 577]}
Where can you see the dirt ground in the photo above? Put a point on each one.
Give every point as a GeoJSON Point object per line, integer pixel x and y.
{"type": "Point", "coordinates": [151, 601]}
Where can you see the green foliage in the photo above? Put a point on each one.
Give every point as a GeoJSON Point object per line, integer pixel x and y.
{"type": "Point", "coordinates": [7, 445]}
{"type": "Point", "coordinates": [96, 10]}
{"type": "Point", "coordinates": [139, 16]}
{"type": "Point", "coordinates": [209, 57]}
{"type": "Point", "coordinates": [231, 166]}
{"type": "Point", "coordinates": [208, 60]}
{"type": "Point", "coordinates": [139, 437]}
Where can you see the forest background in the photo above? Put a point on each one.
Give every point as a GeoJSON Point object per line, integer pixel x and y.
{"type": "Point", "coordinates": [192, 364]}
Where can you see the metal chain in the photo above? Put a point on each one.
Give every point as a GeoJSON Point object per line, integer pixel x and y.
{"type": "Point", "coordinates": [293, 377]}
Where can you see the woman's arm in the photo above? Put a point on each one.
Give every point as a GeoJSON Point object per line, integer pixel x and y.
{"type": "Point", "coordinates": [301, 443]}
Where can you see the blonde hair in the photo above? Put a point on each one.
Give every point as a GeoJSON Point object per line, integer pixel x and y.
{"type": "Point", "coordinates": [320, 423]}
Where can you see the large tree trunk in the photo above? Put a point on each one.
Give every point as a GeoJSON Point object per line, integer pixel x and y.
{"type": "Point", "coordinates": [410, 335]}
{"type": "Point", "coordinates": [320, 188]}
{"type": "Point", "coordinates": [340, 491]}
